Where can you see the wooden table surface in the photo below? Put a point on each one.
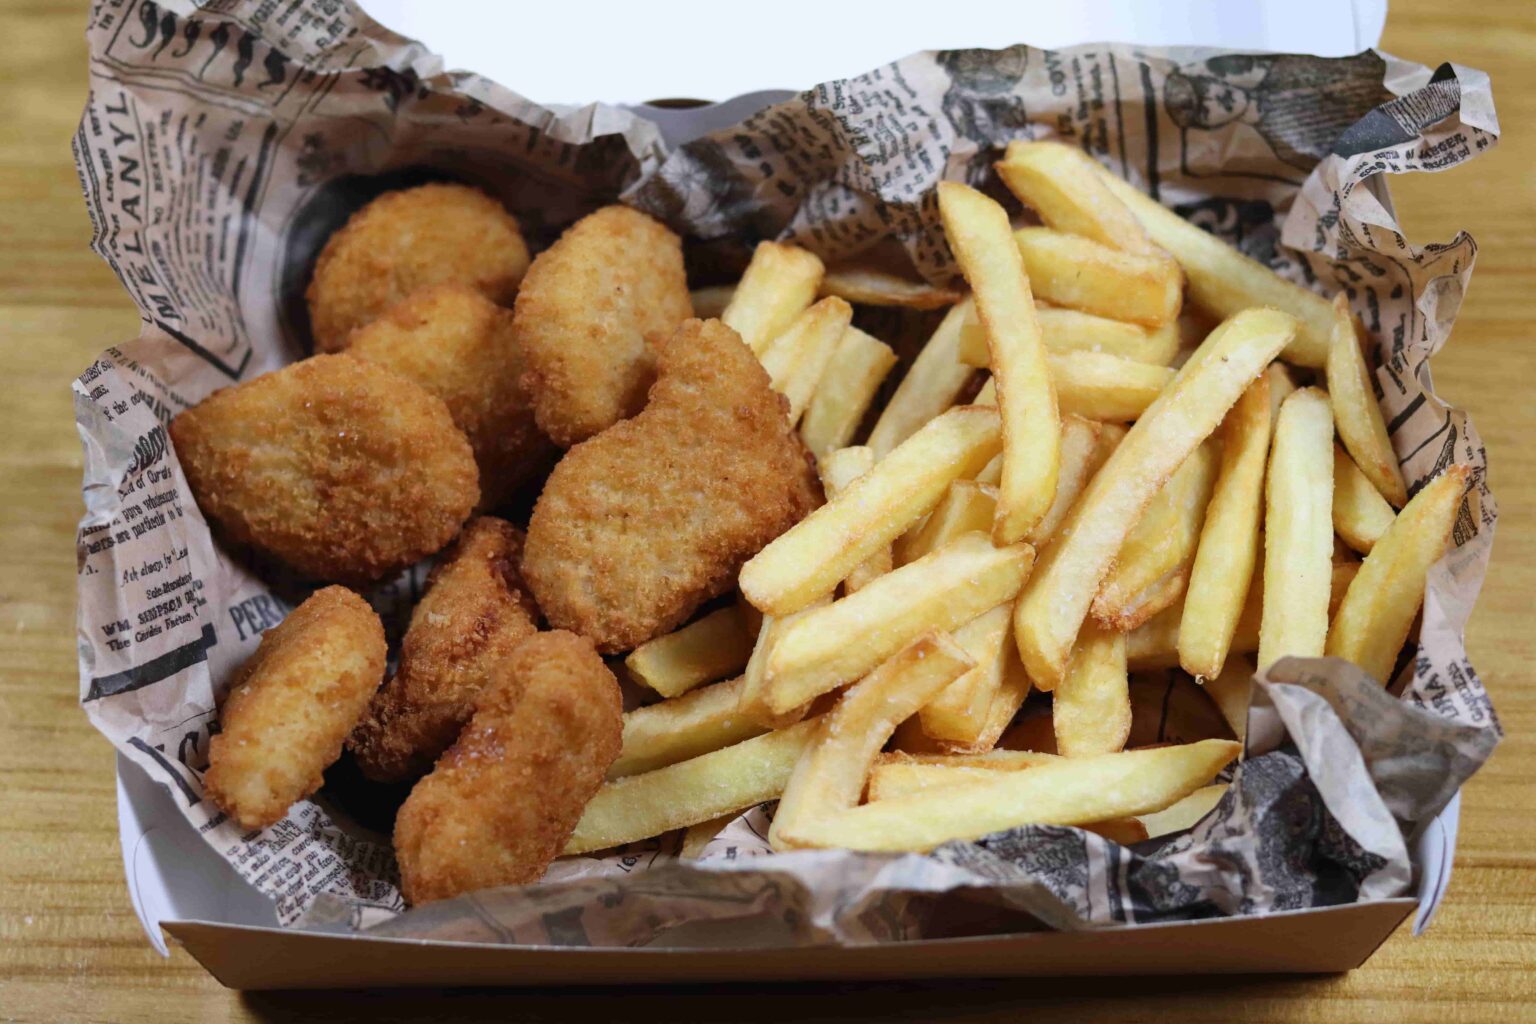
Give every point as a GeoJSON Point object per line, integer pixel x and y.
{"type": "Point", "coordinates": [71, 947]}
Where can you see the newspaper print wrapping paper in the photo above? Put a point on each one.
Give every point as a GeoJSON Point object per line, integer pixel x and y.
{"type": "Point", "coordinates": [221, 144]}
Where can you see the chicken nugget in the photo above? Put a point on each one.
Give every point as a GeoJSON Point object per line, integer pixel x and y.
{"type": "Point", "coordinates": [406, 240]}
{"type": "Point", "coordinates": [474, 612]}
{"type": "Point", "coordinates": [640, 525]}
{"type": "Point", "coordinates": [342, 469]}
{"type": "Point", "coordinates": [458, 344]}
{"type": "Point", "coordinates": [504, 799]}
{"type": "Point", "coordinates": [585, 314]}
{"type": "Point", "coordinates": [292, 704]}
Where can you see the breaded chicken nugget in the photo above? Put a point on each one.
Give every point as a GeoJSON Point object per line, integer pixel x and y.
{"type": "Point", "coordinates": [342, 469]}
{"type": "Point", "coordinates": [406, 240]}
{"type": "Point", "coordinates": [474, 612]}
{"type": "Point", "coordinates": [504, 799]}
{"type": "Point", "coordinates": [458, 344]}
{"type": "Point", "coordinates": [640, 525]}
{"type": "Point", "coordinates": [292, 704]}
{"type": "Point", "coordinates": [591, 302]}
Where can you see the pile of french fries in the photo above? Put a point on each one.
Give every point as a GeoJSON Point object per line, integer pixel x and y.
{"type": "Point", "coordinates": [1126, 492]}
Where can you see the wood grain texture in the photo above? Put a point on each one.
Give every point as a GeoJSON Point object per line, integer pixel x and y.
{"type": "Point", "coordinates": [71, 948]}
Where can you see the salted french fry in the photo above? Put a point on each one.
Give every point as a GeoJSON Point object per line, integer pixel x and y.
{"type": "Point", "coordinates": [1229, 541]}
{"type": "Point", "coordinates": [965, 507]}
{"type": "Point", "coordinates": [1082, 453]}
{"type": "Point", "coordinates": [699, 836]}
{"type": "Point", "coordinates": [1163, 344]}
{"type": "Point", "coordinates": [831, 771]}
{"type": "Point", "coordinates": [1062, 184]}
{"type": "Point", "coordinates": [1067, 270]}
{"type": "Point", "coordinates": [796, 359]}
{"type": "Point", "coordinates": [1378, 609]}
{"type": "Point", "coordinates": [1100, 386]}
{"type": "Point", "coordinates": [1071, 791]}
{"type": "Point", "coordinates": [992, 473]}
{"type": "Point", "coordinates": [754, 687]}
{"type": "Point", "coordinates": [703, 651]}
{"type": "Point", "coordinates": [889, 780]}
{"type": "Point", "coordinates": [848, 638]}
{"type": "Point", "coordinates": [1054, 604]}
{"type": "Point", "coordinates": [978, 233]}
{"type": "Point", "coordinates": [1356, 413]}
{"type": "Point", "coordinates": [845, 391]}
{"type": "Point", "coordinates": [932, 385]}
{"type": "Point", "coordinates": [809, 559]}
{"type": "Point", "coordinates": [870, 287]}
{"type": "Point", "coordinates": [1092, 709]}
{"type": "Point", "coordinates": [705, 719]}
{"type": "Point", "coordinates": [1360, 514]}
{"type": "Point", "coordinates": [1183, 814]}
{"type": "Point", "coordinates": [1223, 282]}
{"type": "Point", "coordinates": [710, 303]}
{"type": "Point", "coordinates": [959, 712]}
{"type": "Point", "coordinates": [1298, 530]}
{"type": "Point", "coordinates": [1232, 689]}
{"type": "Point", "coordinates": [1000, 759]}
{"type": "Point", "coordinates": [839, 469]}
{"type": "Point", "coordinates": [1282, 383]}
{"type": "Point", "coordinates": [779, 284]}
{"type": "Point", "coordinates": [1153, 564]}
{"type": "Point", "coordinates": [725, 781]}
{"type": "Point", "coordinates": [1072, 330]}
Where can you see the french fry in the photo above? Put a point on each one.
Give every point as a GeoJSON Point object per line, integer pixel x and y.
{"type": "Point", "coordinates": [1071, 791]}
{"type": "Point", "coordinates": [1163, 344]}
{"type": "Point", "coordinates": [710, 303]}
{"type": "Point", "coordinates": [809, 559]}
{"type": "Point", "coordinates": [1092, 709]}
{"type": "Point", "coordinates": [796, 359]}
{"type": "Point", "coordinates": [1229, 541]}
{"type": "Point", "coordinates": [839, 469]}
{"type": "Point", "coordinates": [978, 233]}
{"type": "Point", "coordinates": [1082, 453]}
{"type": "Point", "coordinates": [845, 391]}
{"type": "Point", "coordinates": [754, 687]}
{"type": "Point", "coordinates": [1378, 609]}
{"type": "Point", "coordinates": [725, 781]}
{"type": "Point", "coordinates": [705, 719]}
{"type": "Point", "coordinates": [992, 473]}
{"type": "Point", "coordinates": [831, 771]}
{"type": "Point", "coordinates": [1298, 530]}
{"type": "Point", "coordinates": [779, 284]}
{"type": "Point", "coordinates": [848, 638]}
{"type": "Point", "coordinates": [1000, 759]}
{"type": "Point", "coordinates": [1282, 382]}
{"type": "Point", "coordinates": [1062, 184]}
{"type": "Point", "coordinates": [931, 386]}
{"type": "Point", "coordinates": [1343, 575]}
{"type": "Point", "coordinates": [703, 651]}
{"type": "Point", "coordinates": [1232, 690]}
{"type": "Point", "coordinates": [959, 712]}
{"type": "Point", "coordinates": [1183, 814]}
{"type": "Point", "coordinates": [1360, 514]}
{"type": "Point", "coordinates": [1356, 413]}
{"type": "Point", "coordinates": [1072, 330]}
{"type": "Point", "coordinates": [1097, 386]}
{"type": "Point", "coordinates": [699, 836]}
{"type": "Point", "coordinates": [869, 287]}
{"type": "Point", "coordinates": [1066, 270]}
{"type": "Point", "coordinates": [1053, 605]}
{"type": "Point", "coordinates": [965, 507]}
{"type": "Point", "coordinates": [1223, 282]}
{"type": "Point", "coordinates": [1152, 565]}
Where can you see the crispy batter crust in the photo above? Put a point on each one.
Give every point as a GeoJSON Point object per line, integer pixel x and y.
{"type": "Point", "coordinates": [504, 799]}
{"type": "Point", "coordinates": [292, 704]}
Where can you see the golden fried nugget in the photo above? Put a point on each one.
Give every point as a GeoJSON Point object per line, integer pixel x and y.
{"type": "Point", "coordinates": [292, 704]}
{"type": "Point", "coordinates": [406, 240]}
{"type": "Point", "coordinates": [458, 344]}
{"type": "Point", "coordinates": [474, 612]}
{"type": "Point", "coordinates": [504, 799]}
{"type": "Point", "coordinates": [640, 525]}
{"type": "Point", "coordinates": [584, 315]}
{"type": "Point", "coordinates": [342, 469]}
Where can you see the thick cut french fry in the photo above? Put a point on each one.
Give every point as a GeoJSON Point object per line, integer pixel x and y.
{"type": "Point", "coordinates": [710, 303]}
{"type": "Point", "coordinates": [831, 771]}
{"type": "Point", "coordinates": [992, 473]}
{"type": "Point", "coordinates": [1360, 514]}
{"type": "Point", "coordinates": [1223, 282]}
{"type": "Point", "coordinates": [809, 559]}
{"type": "Point", "coordinates": [703, 651]}
{"type": "Point", "coordinates": [1010, 696]}
{"type": "Point", "coordinates": [780, 283]}
{"type": "Point", "coordinates": [1092, 709]}
{"type": "Point", "coordinates": [1072, 330]}
{"type": "Point", "coordinates": [845, 391]}
{"type": "Point", "coordinates": [839, 469]}
{"type": "Point", "coordinates": [978, 233]}
{"type": "Point", "coordinates": [684, 727]}
{"type": "Point", "coordinates": [1097, 386]}
{"type": "Point", "coordinates": [1298, 530]}
{"type": "Point", "coordinates": [1183, 814]}
{"type": "Point", "coordinates": [1356, 413]}
{"type": "Point", "coordinates": [1082, 453]}
{"type": "Point", "coordinates": [1232, 689]}
{"type": "Point", "coordinates": [1153, 564]}
{"type": "Point", "coordinates": [1053, 605]}
{"type": "Point", "coordinates": [959, 712]}
{"type": "Point", "coordinates": [1378, 609]}
{"type": "Point", "coordinates": [869, 287]}
{"type": "Point", "coordinates": [936, 379]}
{"type": "Point", "coordinates": [846, 639]}
{"type": "Point", "coordinates": [754, 688]}
{"type": "Point", "coordinates": [699, 836]}
{"type": "Point", "coordinates": [1282, 382]}
{"type": "Point", "coordinates": [1062, 184]}
{"type": "Point", "coordinates": [1229, 541]}
{"type": "Point", "coordinates": [1163, 344]}
{"type": "Point", "coordinates": [1071, 791]}
{"type": "Point", "coordinates": [1067, 270]}
{"type": "Point", "coordinates": [797, 358]}
{"type": "Point", "coordinates": [725, 781]}
{"type": "Point", "coordinates": [965, 507]}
